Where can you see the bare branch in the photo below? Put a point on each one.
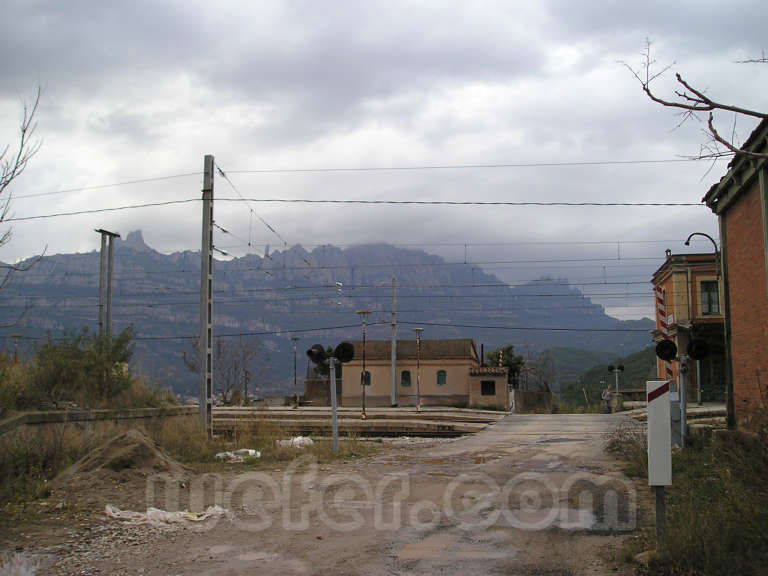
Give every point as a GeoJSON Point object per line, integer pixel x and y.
{"type": "Point", "coordinates": [730, 146]}
{"type": "Point", "coordinates": [27, 266]}
{"type": "Point", "coordinates": [692, 100]}
{"type": "Point", "coordinates": [12, 168]}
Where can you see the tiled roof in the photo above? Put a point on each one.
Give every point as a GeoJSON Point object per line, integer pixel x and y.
{"type": "Point", "coordinates": [463, 348]}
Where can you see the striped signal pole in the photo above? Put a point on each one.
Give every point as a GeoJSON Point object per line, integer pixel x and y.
{"type": "Point", "coordinates": [661, 311]}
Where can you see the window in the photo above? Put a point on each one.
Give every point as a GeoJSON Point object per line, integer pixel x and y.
{"type": "Point", "coordinates": [367, 378]}
{"type": "Point", "coordinates": [405, 378]}
{"type": "Point", "coordinates": [487, 388]}
{"type": "Point", "coordinates": [710, 298]}
{"type": "Point", "coordinates": [441, 377]}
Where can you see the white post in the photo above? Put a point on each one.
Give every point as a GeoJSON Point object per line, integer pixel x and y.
{"type": "Point", "coordinates": [659, 447]}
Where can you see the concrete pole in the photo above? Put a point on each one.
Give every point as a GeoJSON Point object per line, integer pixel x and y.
{"type": "Point", "coordinates": [334, 416]}
{"type": "Point", "coordinates": [206, 300]}
{"type": "Point", "coordinates": [418, 367]}
{"type": "Point", "coordinates": [105, 279]}
{"type": "Point", "coordinates": [102, 278]}
{"type": "Point", "coordinates": [683, 408]}
{"type": "Point", "coordinates": [363, 314]}
{"type": "Point", "coordinates": [393, 394]}
{"type": "Point", "coordinates": [698, 382]}
{"type": "Point", "coordinates": [295, 339]}
{"type": "Point", "coordinates": [110, 270]}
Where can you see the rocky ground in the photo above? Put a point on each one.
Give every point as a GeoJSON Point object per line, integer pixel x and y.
{"type": "Point", "coordinates": [528, 495]}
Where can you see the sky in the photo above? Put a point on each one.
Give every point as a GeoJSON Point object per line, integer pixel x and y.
{"type": "Point", "coordinates": [361, 100]}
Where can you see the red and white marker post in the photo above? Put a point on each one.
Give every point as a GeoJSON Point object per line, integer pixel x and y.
{"type": "Point", "coordinates": [659, 447]}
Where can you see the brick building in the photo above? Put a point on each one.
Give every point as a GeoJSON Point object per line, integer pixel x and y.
{"type": "Point", "coordinates": [689, 287]}
{"type": "Point", "coordinates": [740, 201]}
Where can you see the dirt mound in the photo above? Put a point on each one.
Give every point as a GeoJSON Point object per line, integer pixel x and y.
{"type": "Point", "coordinates": [130, 456]}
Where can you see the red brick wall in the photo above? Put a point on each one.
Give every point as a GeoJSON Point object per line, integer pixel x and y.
{"type": "Point", "coordinates": [748, 304]}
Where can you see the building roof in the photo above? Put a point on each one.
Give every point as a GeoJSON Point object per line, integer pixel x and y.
{"type": "Point", "coordinates": [461, 348]}
{"type": "Point", "coordinates": [742, 171]}
{"type": "Point", "coordinates": [683, 262]}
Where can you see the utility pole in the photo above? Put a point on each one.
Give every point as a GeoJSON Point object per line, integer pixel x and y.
{"type": "Point", "coordinates": [206, 300]}
{"type": "Point", "coordinates": [363, 314]}
{"type": "Point", "coordinates": [393, 395]}
{"type": "Point", "coordinates": [106, 268]}
{"type": "Point", "coordinates": [246, 376]}
{"type": "Point", "coordinates": [683, 370]}
{"type": "Point", "coordinates": [15, 347]}
{"type": "Point", "coordinates": [295, 339]}
{"type": "Point", "coordinates": [334, 415]}
{"type": "Point", "coordinates": [418, 332]}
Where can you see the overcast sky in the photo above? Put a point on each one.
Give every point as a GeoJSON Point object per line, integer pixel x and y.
{"type": "Point", "coordinates": [137, 90]}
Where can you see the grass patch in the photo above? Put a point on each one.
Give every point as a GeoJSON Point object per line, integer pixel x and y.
{"type": "Point", "coordinates": [32, 456]}
{"type": "Point", "coordinates": [629, 443]}
{"type": "Point", "coordinates": [183, 439]}
{"type": "Point", "coordinates": [717, 509]}
{"type": "Point", "coordinates": [563, 407]}
{"type": "Point", "coordinates": [717, 506]}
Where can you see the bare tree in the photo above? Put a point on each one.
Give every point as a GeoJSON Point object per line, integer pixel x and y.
{"type": "Point", "coordinates": [233, 361]}
{"type": "Point", "coordinates": [12, 163]}
{"type": "Point", "coordinates": [692, 102]}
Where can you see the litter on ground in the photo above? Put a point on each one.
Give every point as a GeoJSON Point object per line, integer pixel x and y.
{"type": "Point", "coordinates": [238, 455]}
{"type": "Point", "coordinates": [296, 442]}
{"type": "Point", "coordinates": [157, 517]}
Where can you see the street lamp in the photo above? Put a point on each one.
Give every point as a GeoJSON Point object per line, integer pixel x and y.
{"type": "Point", "coordinates": [616, 370]}
{"type": "Point", "coordinates": [717, 276]}
{"type": "Point", "coordinates": [295, 339]}
{"type": "Point", "coordinates": [418, 332]}
{"type": "Point", "coordinates": [717, 259]}
{"type": "Point", "coordinates": [363, 314]}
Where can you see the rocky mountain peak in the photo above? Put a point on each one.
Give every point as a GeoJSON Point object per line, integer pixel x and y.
{"type": "Point", "coordinates": [135, 241]}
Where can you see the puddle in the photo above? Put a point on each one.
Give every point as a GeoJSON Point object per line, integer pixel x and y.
{"type": "Point", "coordinates": [256, 556]}
{"type": "Point", "coordinates": [444, 549]}
{"type": "Point", "coordinates": [444, 474]}
{"type": "Point", "coordinates": [548, 518]}
{"type": "Point", "coordinates": [483, 458]}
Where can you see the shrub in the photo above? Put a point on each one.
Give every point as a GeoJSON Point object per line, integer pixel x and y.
{"type": "Point", "coordinates": [83, 367]}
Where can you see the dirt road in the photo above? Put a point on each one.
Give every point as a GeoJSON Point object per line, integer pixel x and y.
{"type": "Point", "coordinates": [531, 494]}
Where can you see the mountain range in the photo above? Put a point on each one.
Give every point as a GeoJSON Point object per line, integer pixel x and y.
{"type": "Point", "coordinates": [261, 301]}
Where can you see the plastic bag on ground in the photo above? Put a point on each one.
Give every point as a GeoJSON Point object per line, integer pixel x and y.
{"type": "Point", "coordinates": [157, 517]}
{"type": "Point", "coordinates": [238, 455]}
{"type": "Point", "coordinates": [296, 442]}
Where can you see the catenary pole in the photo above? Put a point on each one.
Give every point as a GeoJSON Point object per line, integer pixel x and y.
{"type": "Point", "coordinates": [206, 300]}
{"type": "Point", "coordinates": [106, 267]}
{"type": "Point", "coordinates": [334, 415]}
{"type": "Point", "coordinates": [102, 278]}
{"type": "Point", "coordinates": [295, 339]}
{"type": "Point", "coordinates": [110, 271]}
{"type": "Point", "coordinates": [393, 394]}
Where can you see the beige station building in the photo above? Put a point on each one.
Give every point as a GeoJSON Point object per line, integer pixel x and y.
{"type": "Point", "coordinates": [450, 374]}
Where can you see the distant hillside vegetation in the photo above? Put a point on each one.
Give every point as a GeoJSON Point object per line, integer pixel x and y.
{"type": "Point", "coordinates": [638, 368]}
